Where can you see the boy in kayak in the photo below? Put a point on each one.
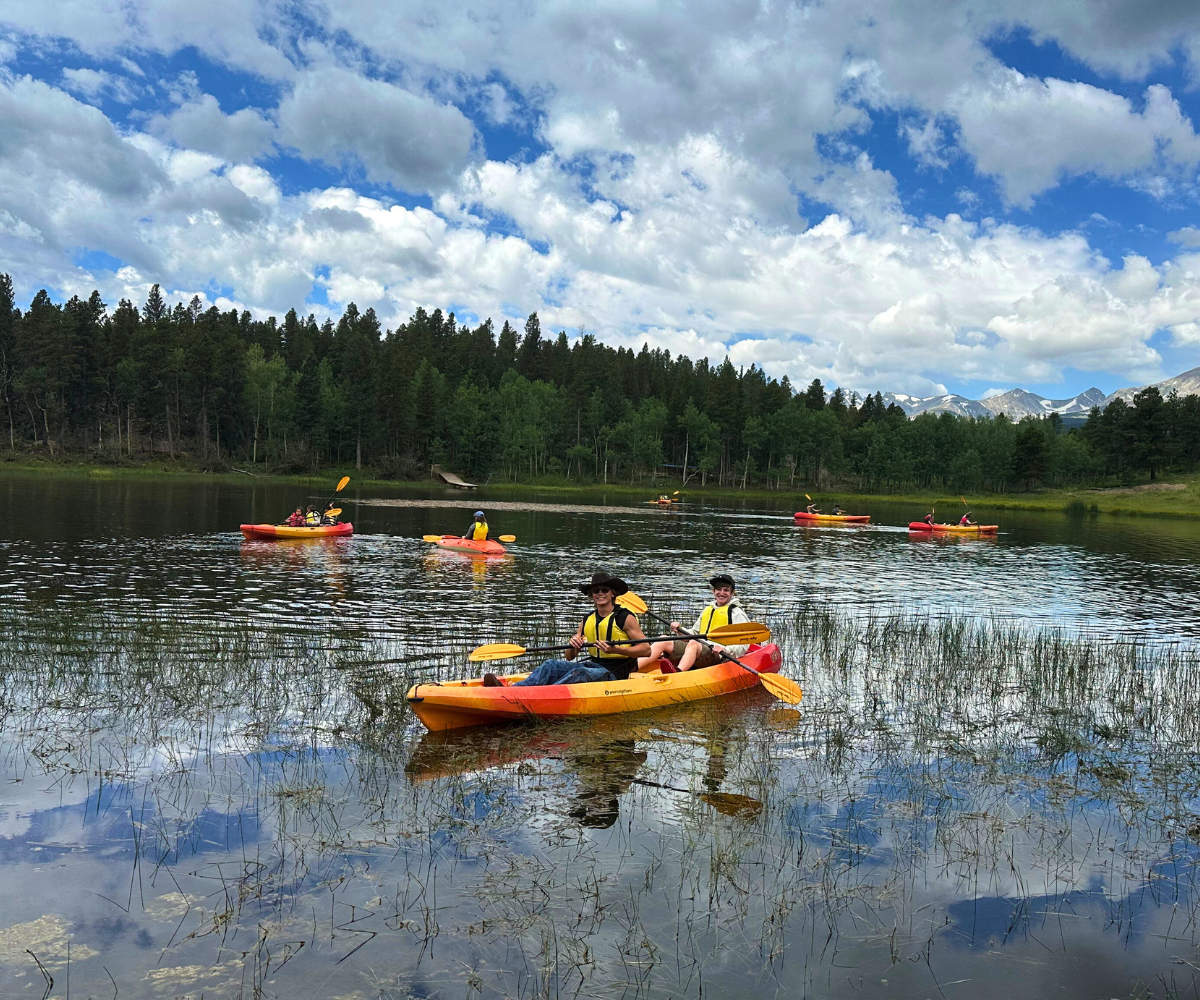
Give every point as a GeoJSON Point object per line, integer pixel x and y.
{"type": "Point", "coordinates": [604, 629]}
{"type": "Point", "coordinates": [311, 517]}
{"type": "Point", "coordinates": [966, 521]}
{"type": "Point", "coordinates": [929, 518]}
{"type": "Point", "coordinates": [326, 517]}
{"type": "Point", "coordinates": [296, 518]}
{"type": "Point", "coordinates": [478, 531]}
{"type": "Point", "coordinates": [812, 508]}
{"type": "Point", "coordinates": [688, 654]}
{"type": "Point", "coordinates": [837, 509]}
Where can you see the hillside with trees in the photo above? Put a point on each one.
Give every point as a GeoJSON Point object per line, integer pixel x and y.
{"type": "Point", "coordinates": [125, 383]}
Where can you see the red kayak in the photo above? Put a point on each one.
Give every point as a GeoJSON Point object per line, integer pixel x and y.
{"type": "Point", "coordinates": [270, 532]}
{"type": "Point", "coordinates": [488, 547]}
{"type": "Point", "coordinates": [966, 529]}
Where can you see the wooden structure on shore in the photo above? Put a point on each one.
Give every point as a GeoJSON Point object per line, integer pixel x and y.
{"type": "Point", "coordinates": [450, 479]}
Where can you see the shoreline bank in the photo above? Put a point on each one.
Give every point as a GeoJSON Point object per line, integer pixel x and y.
{"type": "Point", "coordinates": [1178, 499]}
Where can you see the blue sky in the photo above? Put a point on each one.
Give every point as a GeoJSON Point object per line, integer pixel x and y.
{"type": "Point", "coordinates": [998, 195]}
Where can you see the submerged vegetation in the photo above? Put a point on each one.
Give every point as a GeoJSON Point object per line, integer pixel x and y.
{"type": "Point", "coordinates": [955, 799]}
{"type": "Point", "coordinates": [212, 388]}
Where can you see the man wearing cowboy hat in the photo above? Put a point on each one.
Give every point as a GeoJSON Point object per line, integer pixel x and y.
{"type": "Point", "coordinates": [610, 631]}
{"type": "Point", "coordinates": [689, 654]}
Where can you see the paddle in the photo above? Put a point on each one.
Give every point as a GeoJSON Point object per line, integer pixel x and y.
{"type": "Point", "coordinates": [438, 538]}
{"type": "Point", "coordinates": [342, 484]}
{"type": "Point", "coordinates": [781, 687]}
{"type": "Point", "coordinates": [736, 634]}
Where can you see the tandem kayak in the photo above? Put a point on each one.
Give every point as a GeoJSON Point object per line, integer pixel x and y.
{"type": "Point", "coordinates": [270, 532]}
{"type": "Point", "coordinates": [965, 529]}
{"type": "Point", "coordinates": [802, 515]}
{"type": "Point", "coordinates": [458, 704]}
{"type": "Point", "coordinates": [488, 547]}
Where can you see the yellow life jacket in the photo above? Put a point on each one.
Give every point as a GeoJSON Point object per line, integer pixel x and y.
{"type": "Point", "coordinates": [478, 531]}
{"type": "Point", "coordinates": [312, 518]}
{"type": "Point", "coordinates": [713, 617]}
{"type": "Point", "coordinates": [595, 627]}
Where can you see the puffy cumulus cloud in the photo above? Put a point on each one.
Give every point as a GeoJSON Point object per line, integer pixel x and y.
{"type": "Point", "coordinates": [233, 32]}
{"type": "Point", "coordinates": [410, 140]}
{"type": "Point", "coordinates": [200, 124]}
{"type": "Point", "coordinates": [1030, 133]}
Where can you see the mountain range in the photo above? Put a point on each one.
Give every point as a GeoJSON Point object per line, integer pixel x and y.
{"type": "Point", "coordinates": [1017, 403]}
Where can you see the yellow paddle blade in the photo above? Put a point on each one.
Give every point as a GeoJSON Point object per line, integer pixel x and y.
{"type": "Point", "coordinates": [675, 494]}
{"type": "Point", "coordinates": [342, 483]}
{"type": "Point", "coordinates": [495, 651]}
{"type": "Point", "coordinates": [782, 688]}
{"type": "Point", "coordinates": [334, 511]}
{"type": "Point", "coordinates": [432, 538]}
{"type": "Point", "coordinates": [963, 499]}
{"type": "Point", "coordinates": [507, 538]}
{"type": "Point", "coordinates": [631, 602]}
{"type": "Point", "coordinates": [807, 497]}
{"type": "Point", "coordinates": [740, 633]}
{"type": "Point", "coordinates": [732, 804]}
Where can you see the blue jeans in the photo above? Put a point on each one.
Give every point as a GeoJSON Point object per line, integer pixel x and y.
{"type": "Point", "coordinates": [567, 672]}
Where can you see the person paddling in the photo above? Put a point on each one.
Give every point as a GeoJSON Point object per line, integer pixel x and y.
{"type": "Point", "coordinates": [603, 631]}
{"type": "Point", "coordinates": [312, 517]}
{"type": "Point", "coordinates": [965, 521]}
{"type": "Point", "coordinates": [296, 518]}
{"type": "Point", "coordinates": [478, 531]}
{"type": "Point", "coordinates": [812, 508]}
{"type": "Point", "coordinates": [837, 509]}
{"type": "Point", "coordinates": [326, 516]}
{"type": "Point", "coordinates": [929, 518]}
{"type": "Point", "coordinates": [688, 654]}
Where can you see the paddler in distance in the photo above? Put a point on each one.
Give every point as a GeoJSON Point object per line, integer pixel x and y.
{"type": "Point", "coordinates": [612, 631]}
{"type": "Point", "coordinates": [812, 508]}
{"type": "Point", "coordinates": [929, 518]}
{"type": "Point", "coordinates": [688, 654]}
{"type": "Point", "coordinates": [478, 531]}
{"type": "Point", "coordinates": [965, 521]}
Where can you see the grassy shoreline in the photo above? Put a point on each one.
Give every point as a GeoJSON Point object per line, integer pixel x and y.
{"type": "Point", "coordinates": [1122, 501]}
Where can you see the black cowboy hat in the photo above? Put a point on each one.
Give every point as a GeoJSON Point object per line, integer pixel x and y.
{"type": "Point", "coordinates": [601, 579]}
{"type": "Point", "coordinates": [722, 578]}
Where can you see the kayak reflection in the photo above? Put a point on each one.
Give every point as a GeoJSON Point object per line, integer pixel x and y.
{"type": "Point", "coordinates": [602, 758]}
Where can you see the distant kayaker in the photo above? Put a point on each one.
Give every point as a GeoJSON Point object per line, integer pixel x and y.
{"type": "Point", "coordinates": [688, 654]}
{"type": "Point", "coordinates": [326, 516]}
{"type": "Point", "coordinates": [606, 626]}
{"type": "Point", "coordinates": [311, 516]}
{"type": "Point", "coordinates": [812, 508]}
{"type": "Point", "coordinates": [478, 531]}
{"type": "Point", "coordinates": [929, 518]}
{"type": "Point", "coordinates": [837, 509]}
{"type": "Point", "coordinates": [966, 521]}
{"type": "Point", "coordinates": [296, 518]}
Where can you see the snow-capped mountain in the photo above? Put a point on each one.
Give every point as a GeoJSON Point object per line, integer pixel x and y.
{"type": "Point", "coordinates": [1186, 384]}
{"type": "Point", "coordinates": [1017, 403]}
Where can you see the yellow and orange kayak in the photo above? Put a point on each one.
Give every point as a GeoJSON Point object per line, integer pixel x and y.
{"type": "Point", "coordinates": [458, 704]}
{"type": "Point", "coordinates": [488, 547]}
{"type": "Point", "coordinates": [803, 515]}
{"type": "Point", "coordinates": [269, 532]}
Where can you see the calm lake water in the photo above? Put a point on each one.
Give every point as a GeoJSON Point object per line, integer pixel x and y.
{"type": "Point", "coordinates": [211, 785]}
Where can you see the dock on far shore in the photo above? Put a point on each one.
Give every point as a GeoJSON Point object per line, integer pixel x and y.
{"type": "Point", "coordinates": [453, 480]}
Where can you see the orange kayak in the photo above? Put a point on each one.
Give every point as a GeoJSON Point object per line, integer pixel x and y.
{"type": "Point", "coordinates": [966, 529]}
{"type": "Point", "coordinates": [488, 547]}
{"type": "Point", "coordinates": [269, 532]}
{"type": "Point", "coordinates": [458, 704]}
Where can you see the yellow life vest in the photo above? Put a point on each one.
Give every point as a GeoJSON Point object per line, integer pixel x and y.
{"type": "Point", "coordinates": [713, 617]}
{"type": "Point", "coordinates": [312, 518]}
{"type": "Point", "coordinates": [595, 627]}
{"type": "Point", "coordinates": [478, 531]}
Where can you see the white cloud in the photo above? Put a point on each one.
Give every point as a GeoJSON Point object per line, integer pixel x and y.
{"type": "Point", "coordinates": [410, 140]}
{"type": "Point", "coordinates": [200, 124]}
{"type": "Point", "coordinates": [94, 83]}
{"type": "Point", "coordinates": [1031, 133]}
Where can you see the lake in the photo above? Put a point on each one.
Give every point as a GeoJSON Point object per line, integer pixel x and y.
{"type": "Point", "coordinates": [212, 785]}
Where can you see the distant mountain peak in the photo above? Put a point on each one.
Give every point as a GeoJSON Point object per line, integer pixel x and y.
{"type": "Point", "coordinates": [1018, 403]}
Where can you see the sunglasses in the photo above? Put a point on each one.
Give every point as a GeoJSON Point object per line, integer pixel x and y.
{"type": "Point", "coordinates": [602, 590]}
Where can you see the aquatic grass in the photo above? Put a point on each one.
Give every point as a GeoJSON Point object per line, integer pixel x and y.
{"type": "Point", "coordinates": [281, 803]}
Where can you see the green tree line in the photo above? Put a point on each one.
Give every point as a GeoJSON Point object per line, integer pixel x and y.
{"type": "Point", "coordinates": [515, 404]}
